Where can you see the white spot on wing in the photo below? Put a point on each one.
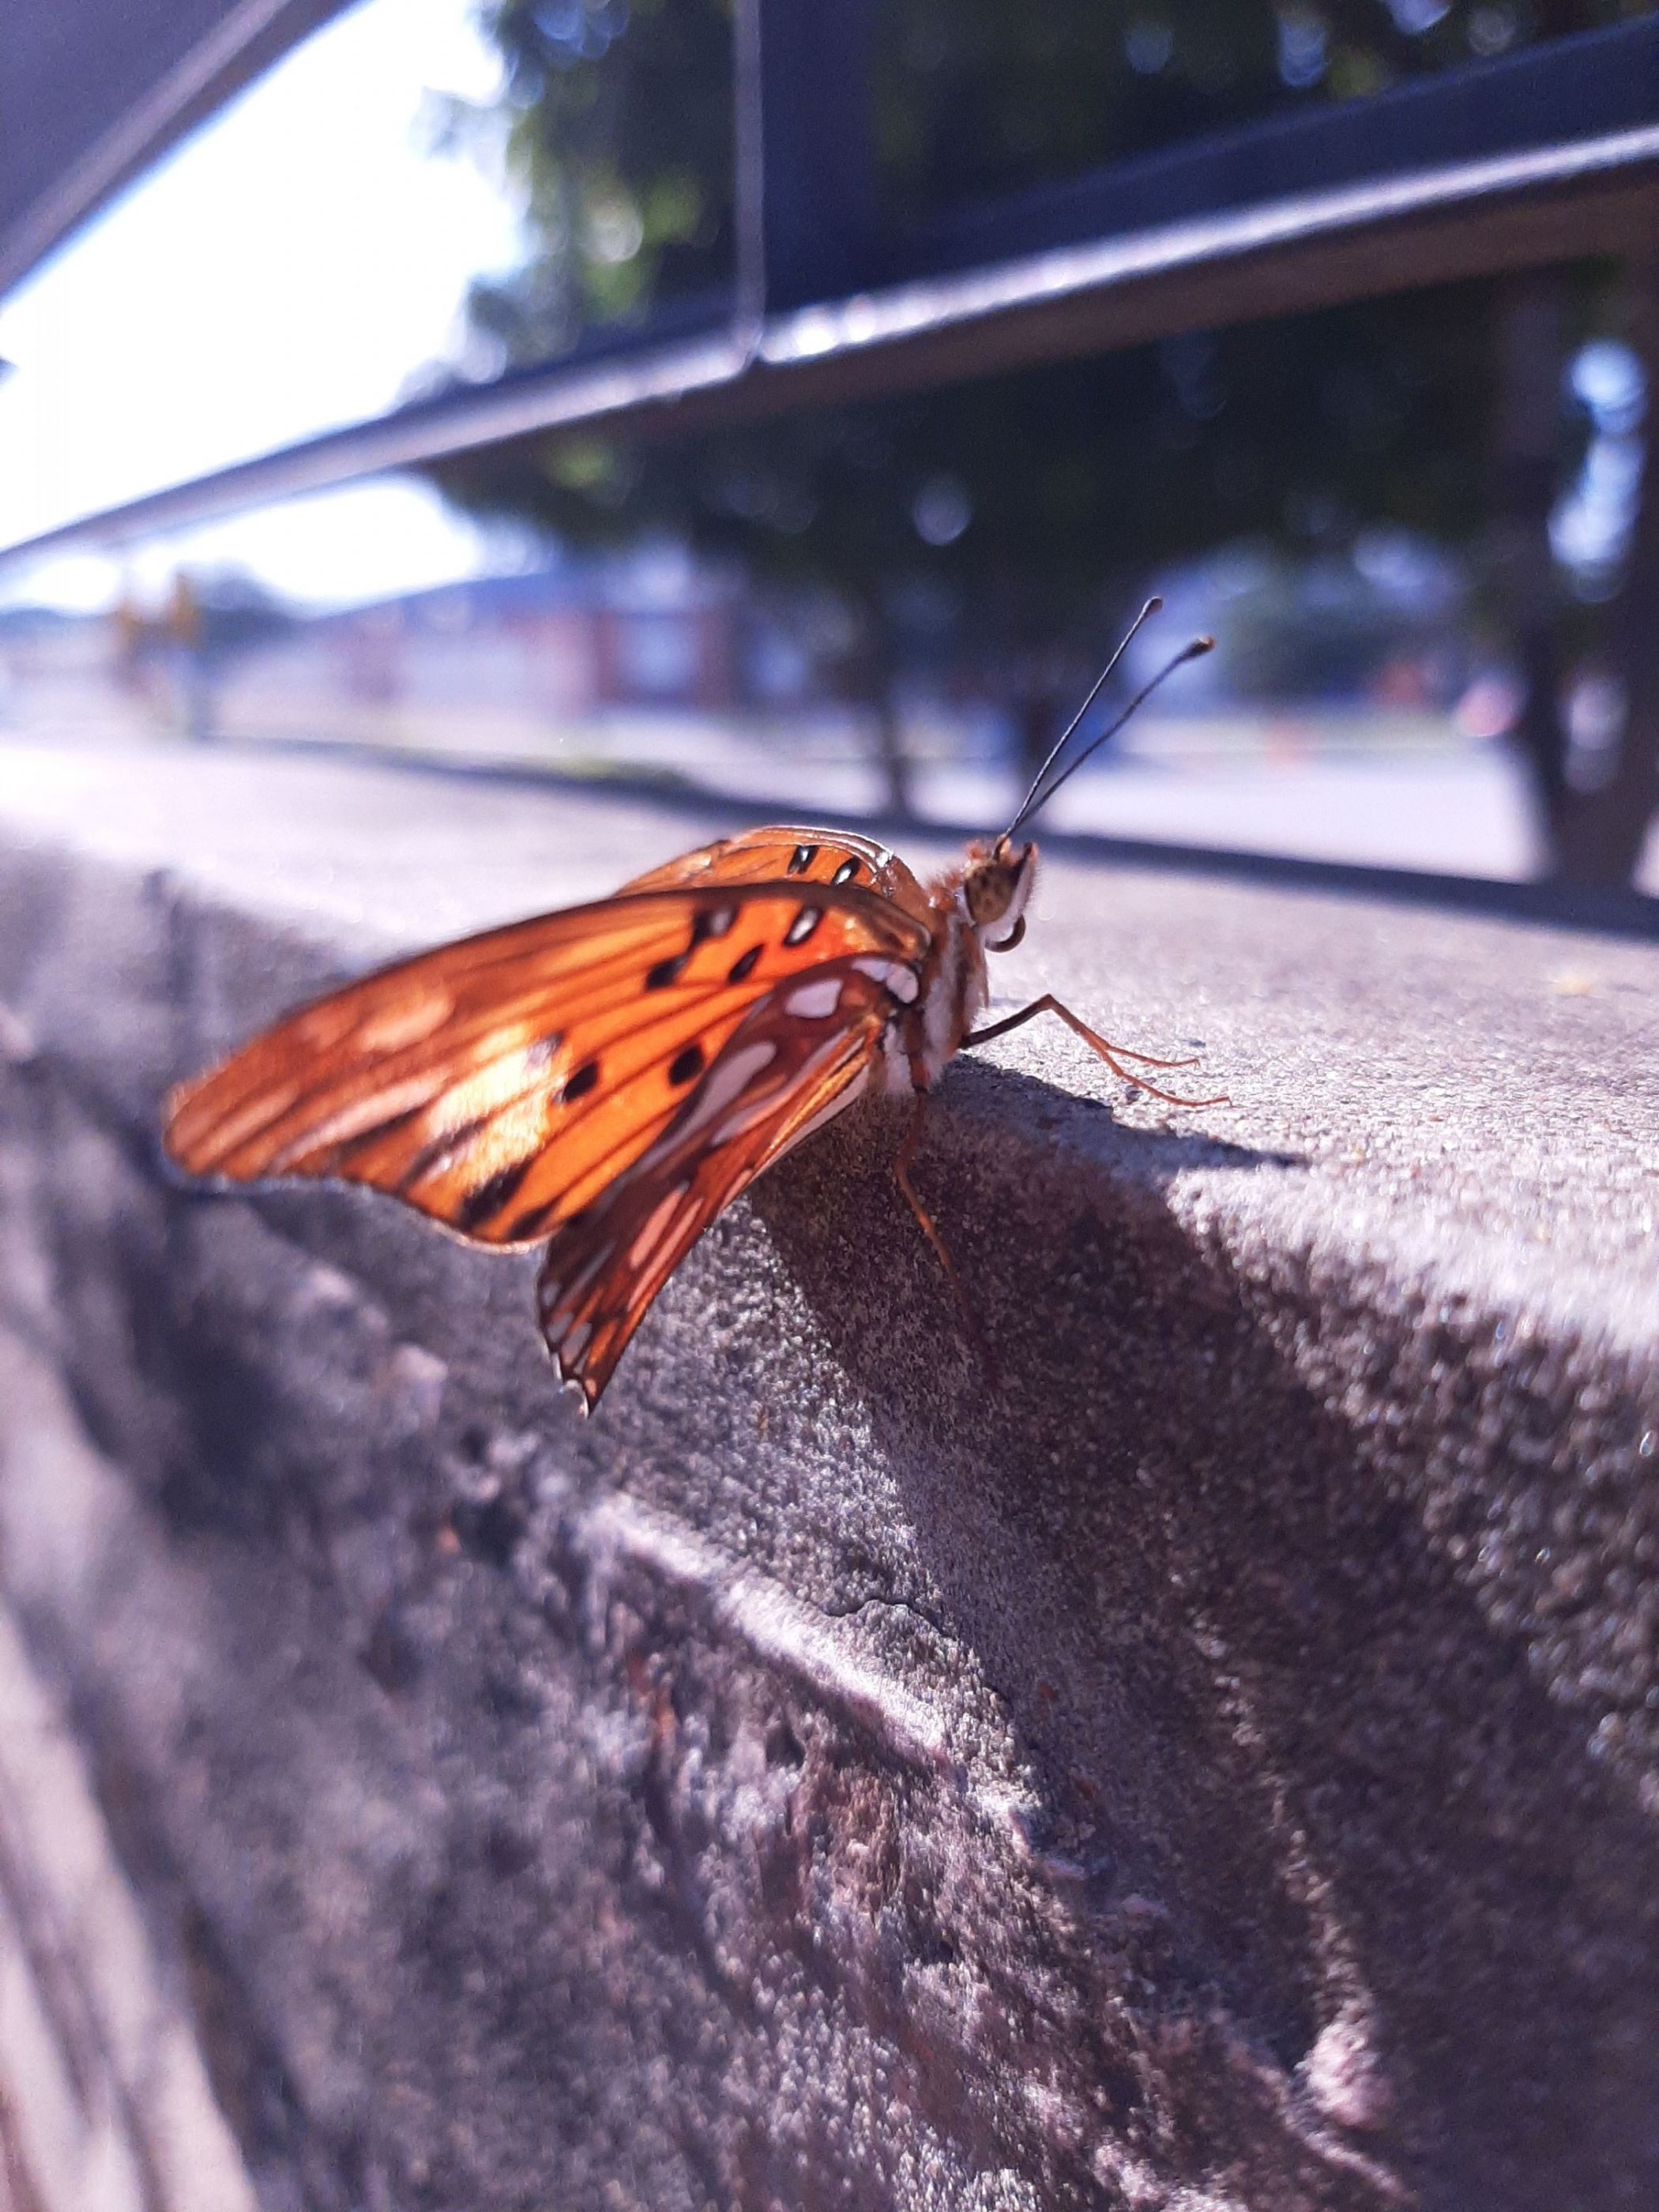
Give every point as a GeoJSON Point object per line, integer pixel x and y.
{"type": "Point", "coordinates": [652, 1235]}
{"type": "Point", "coordinates": [728, 1080]}
{"type": "Point", "coordinates": [266, 1107]}
{"type": "Point", "coordinates": [405, 1021]}
{"type": "Point", "coordinates": [361, 1115]}
{"type": "Point", "coordinates": [893, 975]}
{"type": "Point", "coordinates": [810, 1002]}
{"type": "Point", "coordinates": [741, 1120]}
{"type": "Point", "coordinates": [501, 1080]}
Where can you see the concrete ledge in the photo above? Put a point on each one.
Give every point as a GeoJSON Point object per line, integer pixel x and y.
{"type": "Point", "coordinates": [1221, 1768]}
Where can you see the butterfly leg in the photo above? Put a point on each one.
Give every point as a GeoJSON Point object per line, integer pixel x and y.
{"type": "Point", "coordinates": [906, 1153]}
{"type": "Point", "coordinates": [1113, 1055]}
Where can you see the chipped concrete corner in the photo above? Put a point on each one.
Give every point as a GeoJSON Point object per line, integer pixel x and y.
{"type": "Point", "coordinates": [1221, 1768]}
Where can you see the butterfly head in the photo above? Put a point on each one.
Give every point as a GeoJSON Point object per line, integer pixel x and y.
{"type": "Point", "coordinates": [995, 885]}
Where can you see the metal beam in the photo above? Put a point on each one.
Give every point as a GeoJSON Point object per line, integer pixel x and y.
{"type": "Point", "coordinates": [1553, 94]}
{"type": "Point", "coordinates": [820, 223]}
{"type": "Point", "coordinates": [1599, 196]}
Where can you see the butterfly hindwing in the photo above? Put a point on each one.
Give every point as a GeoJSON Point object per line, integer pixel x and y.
{"type": "Point", "coordinates": [801, 1055]}
{"type": "Point", "coordinates": [504, 1084]}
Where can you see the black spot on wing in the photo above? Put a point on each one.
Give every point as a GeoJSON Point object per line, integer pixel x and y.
{"type": "Point", "coordinates": [686, 1065]}
{"type": "Point", "coordinates": [491, 1196]}
{"type": "Point", "coordinates": [745, 965]}
{"type": "Point", "coordinates": [580, 1083]}
{"type": "Point", "coordinates": [708, 921]}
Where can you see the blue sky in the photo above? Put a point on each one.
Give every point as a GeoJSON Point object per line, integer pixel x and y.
{"type": "Point", "coordinates": [283, 271]}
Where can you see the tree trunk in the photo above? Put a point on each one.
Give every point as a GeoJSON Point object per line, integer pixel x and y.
{"type": "Point", "coordinates": [873, 671]}
{"type": "Point", "coordinates": [1038, 721]}
{"type": "Point", "coordinates": [1526, 437]}
{"type": "Point", "coordinates": [891, 756]}
{"type": "Point", "coordinates": [1604, 831]}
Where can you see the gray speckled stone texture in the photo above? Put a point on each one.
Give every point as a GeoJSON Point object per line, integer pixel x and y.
{"type": "Point", "coordinates": [1218, 1766]}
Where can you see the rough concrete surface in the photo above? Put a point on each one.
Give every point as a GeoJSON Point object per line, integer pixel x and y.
{"type": "Point", "coordinates": [1219, 1766]}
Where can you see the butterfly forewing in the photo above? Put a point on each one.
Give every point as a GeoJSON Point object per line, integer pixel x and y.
{"type": "Point", "coordinates": [504, 1083]}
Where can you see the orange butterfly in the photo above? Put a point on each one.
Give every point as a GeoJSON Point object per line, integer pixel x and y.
{"type": "Point", "coordinates": [609, 1078]}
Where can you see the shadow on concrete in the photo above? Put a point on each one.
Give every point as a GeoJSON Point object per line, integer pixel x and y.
{"type": "Point", "coordinates": [1260, 1704]}
{"type": "Point", "coordinates": [1602, 912]}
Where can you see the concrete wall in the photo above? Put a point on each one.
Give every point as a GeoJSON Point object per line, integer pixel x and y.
{"type": "Point", "coordinates": [1218, 1767]}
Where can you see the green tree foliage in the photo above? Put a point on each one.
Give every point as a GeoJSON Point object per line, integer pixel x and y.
{"type": "Point", "coordinates": [615, 125]}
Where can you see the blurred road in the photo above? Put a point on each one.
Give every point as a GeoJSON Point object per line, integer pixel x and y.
{"type": "Point", "coordinates": [1382, 790]}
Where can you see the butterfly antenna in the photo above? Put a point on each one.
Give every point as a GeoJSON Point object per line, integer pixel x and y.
{"type": "Point", "coordinates": [1194, 651]}
{"type": "Point", "coordinates": [1064, 739]}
